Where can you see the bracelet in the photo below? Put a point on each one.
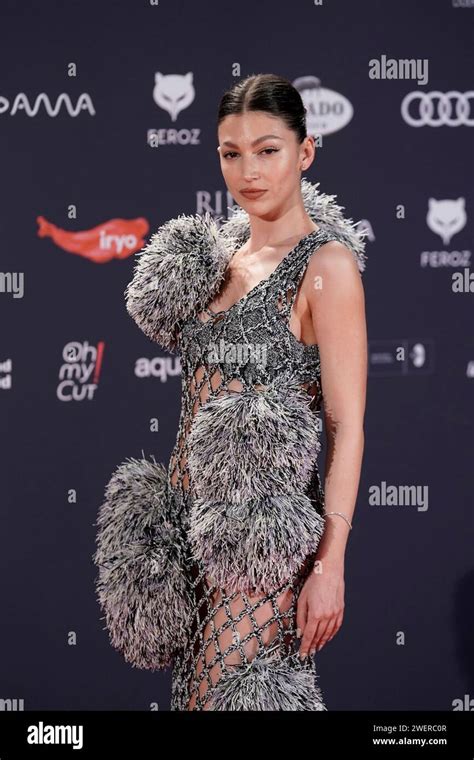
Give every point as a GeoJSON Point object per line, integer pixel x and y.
{"type": "Point", "coordinates": [340, 515]}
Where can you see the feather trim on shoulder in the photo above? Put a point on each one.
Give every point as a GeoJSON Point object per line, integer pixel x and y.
{"type": "Point", "coordinates": [184, 264]}
{"type": "Point", "coordinates": [177, 273]}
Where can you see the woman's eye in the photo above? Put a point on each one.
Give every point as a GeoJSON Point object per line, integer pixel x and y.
{"type": "Point", "coordinates": [265, 150]}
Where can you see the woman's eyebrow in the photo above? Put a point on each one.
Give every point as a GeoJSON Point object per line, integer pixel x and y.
{"type": "Point", "coordinates": [255, 142]}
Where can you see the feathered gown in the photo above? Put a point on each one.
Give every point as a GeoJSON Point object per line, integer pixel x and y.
{"type": "Point", "coordinates": [201, 563]}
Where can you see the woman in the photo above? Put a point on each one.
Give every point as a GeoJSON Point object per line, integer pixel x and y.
{"type": "Point", "coordinates": [230, 563]}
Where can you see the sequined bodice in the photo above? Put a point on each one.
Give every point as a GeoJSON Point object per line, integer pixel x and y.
{"type": "Point", "coordinates": [248, 345]}
{"type": "Point", "coordinates": [259, 320]}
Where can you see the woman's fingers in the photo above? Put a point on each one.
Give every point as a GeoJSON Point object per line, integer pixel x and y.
{"type": "Point", "coordinates": [338, 625]}
{"type": "Point", "coordinates": [313, 626]}
{"type": "Point", "coordinates": [301, 614]}
{"type": "Point", "coordinates": [331, 630]}
{"type": "Point", "coordinates": [319, 615]}
{"type": "Point", "coordinates": [323, 635]}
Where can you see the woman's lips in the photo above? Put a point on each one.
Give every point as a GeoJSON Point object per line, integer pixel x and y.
{"type": "Point", "coordinates": [253, 193]}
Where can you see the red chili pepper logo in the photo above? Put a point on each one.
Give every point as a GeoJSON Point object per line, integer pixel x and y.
{"type": "Point", "coordinates": [115, 239]}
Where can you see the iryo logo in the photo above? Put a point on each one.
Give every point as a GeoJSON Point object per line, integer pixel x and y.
{"type": "Point", "coordinates": [115, 239]}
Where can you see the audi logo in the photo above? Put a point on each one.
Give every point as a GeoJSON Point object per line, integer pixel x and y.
{"type": "Point", "coordinates": [437, 109]}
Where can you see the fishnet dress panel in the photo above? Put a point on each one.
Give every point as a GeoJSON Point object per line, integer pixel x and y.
{"type": "Point", "coordinates": [231, 630]}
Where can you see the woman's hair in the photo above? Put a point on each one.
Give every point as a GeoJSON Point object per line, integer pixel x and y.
{"type": "Point", "coordinates": [266, 92]}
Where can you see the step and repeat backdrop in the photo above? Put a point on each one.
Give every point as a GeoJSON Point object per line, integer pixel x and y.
{"type": "Point", "coordinates": [108, 129]}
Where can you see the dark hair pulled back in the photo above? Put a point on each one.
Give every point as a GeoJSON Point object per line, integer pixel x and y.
{"type": "Point", "coordinates": [270, 93]}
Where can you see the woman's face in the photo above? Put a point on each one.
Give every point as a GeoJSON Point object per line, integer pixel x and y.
{"type": "Point", "coordinates": [258, 151]}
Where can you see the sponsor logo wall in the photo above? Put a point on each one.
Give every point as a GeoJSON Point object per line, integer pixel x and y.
{"type": "Point", "coordinates": [103, 141]}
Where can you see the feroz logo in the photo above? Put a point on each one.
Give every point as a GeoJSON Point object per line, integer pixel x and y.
{"type": "Point", "coordinates": [438, 109]}
{"type": "Point", "coordinates": [446, 217]}
{"type": "Point", "coordinates": [174, 92]}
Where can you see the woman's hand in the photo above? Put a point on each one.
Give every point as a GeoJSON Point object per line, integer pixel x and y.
{"type": "Point", "coordinates": [320, 607]}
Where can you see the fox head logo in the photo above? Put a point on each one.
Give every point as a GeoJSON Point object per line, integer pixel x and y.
{"type": "Point", "coordinates": [446, 217]}
{"type": "Point", "coordinates": [174, 92]}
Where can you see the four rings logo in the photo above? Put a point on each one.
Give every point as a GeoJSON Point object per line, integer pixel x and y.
{"type": "Point", "coordinates": [437, 109]}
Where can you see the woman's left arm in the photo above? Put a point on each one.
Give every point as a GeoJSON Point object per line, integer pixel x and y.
{"type": "Point", "coordinates": [334, 292]}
